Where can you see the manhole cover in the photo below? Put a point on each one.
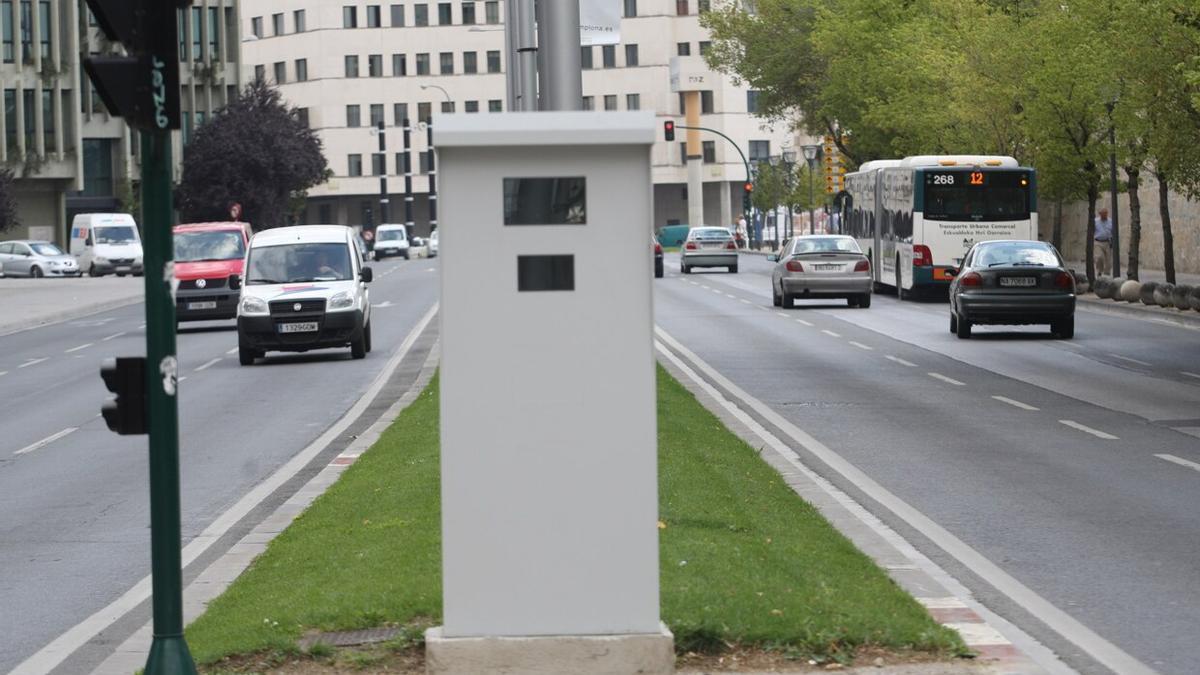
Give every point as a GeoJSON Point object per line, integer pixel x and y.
{"type": "Point", "coordinates": [350, 638]}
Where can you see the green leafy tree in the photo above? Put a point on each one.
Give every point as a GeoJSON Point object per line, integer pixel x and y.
{"type": "Point", "coordinates": [8, 201]}
{"type": "Point", "coordinates": [255, 152]}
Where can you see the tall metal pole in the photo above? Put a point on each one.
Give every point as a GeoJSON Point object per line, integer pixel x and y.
{"type": "Point", "coordinates": [1112, 173]}
{"type": "Point", "coordinates": [511, 73]}
{"type": "Point", "coordinates": [408, 189]}
{"type": "Point", "coordinates": [432, 179]}
{"type": "Point", "coordinates": [561, 82]}
{"type": "Point", "coordinates": [812, 224]}
{"type": "Point", "coordinates": [527, 55]}
{"type": "Point", "coordinates": [383, 185]}
{"type": "Point", "coordinates": [169, 653]}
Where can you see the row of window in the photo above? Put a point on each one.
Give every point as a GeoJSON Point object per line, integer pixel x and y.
{"type": "Point", "coordinates": [375, 112]}
{"type": "Point", "coordinates": [27, 99]}
{"type": "Point", "coordinates": [203, 31]}
{"type": "Point", "coordinates": [682, 7]}
{"type": "Point", "coordinates": [8, 32]}
{"type": "Point", "coordinates": [470, 66]}
{"type": "Point", "coordinates": [372, 17]}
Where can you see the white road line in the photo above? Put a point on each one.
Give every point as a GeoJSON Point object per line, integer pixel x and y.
{"type": "Point", "coordinates": [142, 325]}
{"type": "Point", "coordinates": [112, 337]}
{"type": "Point", "coordinates": [181, 378]}
{"type": "Point", "coordinates": [46, 441]}
{"type": "Point", "coordinates": [1180, 461]}
{"type": "Point", "coordinates": [1088, 430]}
{"type": "Point", "coordinates": [1126, 358]}
{"type": "Point", "coordinates": [232, 351]}
{"type": "Point", "coordinates": [1014, 403]}
{"type": "Point", "coordinates": [1195, 375]}
{"type": "Point", "coordinates": [862, 346]}
{"type": "Point", "coordinates": [75, 349]}
{"type": "Point", "coordinates": [1108, 654]}
{"type": "Point", "coordinates": [765, 309]}
{"type": "Point", "coordinates": [207, 365]}
{"type": "Point", "coordinates": [899, 360]}
{"type": "Point", "coordinates": [783, 314]}
{"type": "Point", "coordinates": [33, 362]}
{"type": "Point", "coordinates": [830, 333]}
{"type": "Point", "coordinates": [717, 291]}
{"type": "Point", "coordinates": [947, 380]}
{"type": "Point", "coordinates": [731, 295]}
{"type": "Point", "coordinates": [806, 323]}
{"type": "Point", "coordinates": [3, 372]}
{"type": "Point", "coordinates": [746, 301]}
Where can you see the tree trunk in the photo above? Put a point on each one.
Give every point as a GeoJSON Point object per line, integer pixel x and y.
{"type": "Point", "coordinates": [1056, 232]}
{"type": "Point", "coordinates": [1093, 193]}
{"type": "Point", "coordinates": [1164, 208]}
{"type": "Point", "coordinates": [1133, 174]}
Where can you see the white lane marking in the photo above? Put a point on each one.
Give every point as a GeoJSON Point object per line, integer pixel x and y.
{"type": "Point", "coordinates": [731, 295]}
{"type": "Point", "coordinates": [75, 349]}
{"type": "Point", "coordinates": [746, 301]}
{"type": "Point", "coordinates": [899, 360]}
{"type": "Point", "coordinates": [112, 337]}
{"type": "Point", "coordinates": [862, 346]}
{"type": "Point", "coordinates": [806, 323]}
{"type": "Point", "coordinates": [208, 365]}
{"type": "Point", "coordinates": [51, 655]}
{"type": "Point", "coordinates": [1180, 461]}
{"type": "Point", "coordinates": [3, 372]}
{"type": "Point", "coordinates": [765, 309]}
{"type": "Point", "coordinates": [232, 351]}
{"type": "Point", "coordinates": [783, 314]}
{"type": "Point", "coordinates": [947, 380]}
{"type": "Point", "coordinates": [1126, 358]}
{"type": "Point", "coordinates": [46, 441]}
{"type": "Point", "coordinates": [431, 269]}
{"type": "Point", "coordinates": [181, 378]}
{"type": "Point", "coordinates": [717, 291]}
{"type": "Point", "coordinates": [705, 287]}
{"type": "Point", "coordinates": [142, 325]}
{"type": "Point", "coordinates": [33, 362]}
{"type": "Point", "coordinates": [1195, 375]}
{"type": "Point", "coordinates": [1014, 403]}
{"type": "Point", "coordinates": [830, 333]}
{"type": "Point", "coordinates": [1059, 621]}
{"type": "Point", "coordinates": [1088, 430]}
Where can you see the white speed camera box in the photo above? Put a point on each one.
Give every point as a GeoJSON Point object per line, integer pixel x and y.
{"type": "Point", "coordinates": [548, 430]}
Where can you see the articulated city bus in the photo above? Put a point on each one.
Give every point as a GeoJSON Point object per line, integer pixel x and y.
{"type": "Point", "coordinates": [916, 217]}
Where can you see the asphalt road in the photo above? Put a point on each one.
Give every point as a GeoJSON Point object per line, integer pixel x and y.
{"type": "Point", "coordinates": [1042, 454]}
{"type": "Point", "coordinates": [74, 502]}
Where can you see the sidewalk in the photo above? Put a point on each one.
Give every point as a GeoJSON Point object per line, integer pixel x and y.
{"type": "Point", "coordinates": [27, 303]}
{"type": "Point", "coordinates": [1179, 317]}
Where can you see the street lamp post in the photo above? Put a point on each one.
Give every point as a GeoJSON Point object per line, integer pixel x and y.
{"type": "Point", "coordinates": [439, 88]}
{"type": "Point", "coordinates": [789, 163]}
{"type": "Point", "coordinates": [810, 156]}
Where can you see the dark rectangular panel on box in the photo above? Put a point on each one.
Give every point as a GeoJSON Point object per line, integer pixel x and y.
{"type": "Point", "coordinates": [545, 273]}
{"type": "Point", "coordinates": [545, 201]}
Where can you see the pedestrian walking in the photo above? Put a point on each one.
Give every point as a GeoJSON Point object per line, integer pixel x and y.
{"type": "Point", "coordinates": [741, 227]}
{"type": "Point", "coordinates": [1103, 242]}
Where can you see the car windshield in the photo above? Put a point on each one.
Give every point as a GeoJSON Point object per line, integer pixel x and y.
{"type": "Point", "coordinates": [828, 245]}
{"type": "Point", "coordinates": [711, 233]}
{"type": "Point", "coordinates": [1016, 253]}
{"type": "Point", "coordinates": [218, 245]}
{"type": "Point", "coordinates": [292, 263]}
{"type": "Point", "coordinates": [116, 234]}
{"type": "Point", "coordinates": [46, 249]}
{"type": "Point", "coordinates": [389, 235]}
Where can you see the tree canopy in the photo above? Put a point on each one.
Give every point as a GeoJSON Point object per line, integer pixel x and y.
{"type": "Point", "coordinates": [255, 152]}
{"type": "Point", "coordinates": [8, 202]}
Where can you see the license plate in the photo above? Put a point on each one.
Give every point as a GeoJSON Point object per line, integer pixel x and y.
{"type": "Point", "coordinates": [124, 269]}
{"type": "Point", "coordinates": [1018, 281]}
{"type": "Point", "coordinates": [827, 267]}
{"type": "Point", "coordinates": [202, 305]}
{"type": "Point", "coordinates": [305, 327]}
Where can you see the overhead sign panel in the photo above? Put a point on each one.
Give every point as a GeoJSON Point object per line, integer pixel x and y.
{"type": "Point", "coordinates": [599, 22]}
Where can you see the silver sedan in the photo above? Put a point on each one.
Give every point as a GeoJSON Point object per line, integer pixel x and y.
{"type": "Point", "coordinates": [26, 258]}
{"type": "Point", "coordinates": [821, 266]}
{"type": "Point", "coordinates": [708, 247]}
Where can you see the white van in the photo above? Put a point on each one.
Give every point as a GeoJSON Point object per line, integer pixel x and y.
{"type": "Point", "coordinates": [106, 243]}
{"type": "Point", "coordinates": [391, 240]}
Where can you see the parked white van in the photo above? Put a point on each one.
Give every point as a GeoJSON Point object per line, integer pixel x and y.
{"type": "Point", "coordinates": [106, 243]}
{"type": "Point", "coordinates": [391, 240]}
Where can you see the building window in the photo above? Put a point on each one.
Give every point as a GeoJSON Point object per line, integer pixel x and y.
{"type": "Point", "coordinates": [401, 163]}
{"type": "Point", "coordinates": [752, 101]}
{"type": "Point", "coordinates": [683, 49]}
{"type": "Point", "coordinates": [610, 101]}
{"type": "Point", "coordinates": [705, 45]}
{"type": "Point", "coordinates": [470, 63]}
{"type": "Point", "coordinates": [30, 119]}
{"type": "Point", "coordinates": [298, 18]}
{"type": "Point", "coordinates": [260, 73]}
{"type": "Point", "coordinates": [704, 6]}
{"type": "Point", "coordinates": [760, 151]}
{"type": "Point", "coordinates": [444, 16]}
{"type": "Point", "coordinates": [491, 12]}
{"type": "Point", "coordinates": [353, 116]}
{"type": "Point", "coordinates": [302, 115]}
{"type": "Point", "coordinates": [585, 57]}
{"type": "Point", "coordinates": [351, 65]}
{"type": "Point", "coordinates": [375, 65]}
{"type": "Point", "coordinates": [197, 37]}
{"type": "Point", "coordinates": [468, 13]}
{"type": "Point", "coordinates": [399, 114]}
{"type": "Point", "coordinates": [354, 165]}
{"type": "Point", "coordinates": [422, 64]}
{"type": "Point", "coordinates": [10, 117]}
{"type": "Point", "coordinates": [609, 54]}
{"type": "Point", "coordinates": [471, 106]}
{"type": "Point", "coordinates": [493, 59]}
{"type": "Point", "coordinates": [280, 72]}
{"type": "Point", "coordinates": [301, 70]}
{"type": "Point", "coordinates": [277, 24]}
{"type": "Point", "coordinates": [683, 160]}
{"type": "Point", "coordinates": [447, 106]}
{"type": "Point", "coordinates": [630, 8]}
{"type": "Point", "coordinates": [424, 163]}
{"type": "Point", "coordinates": [97, 167]}
{"type": "Point", "coordinates": [399, 65]}
{"type": "Point", "coordinates": [633, 101]}
{"type": "Point", "coordinates": [48, 118]}
{"type": "Point", "coordinates": [631, 56]}
{"type": "Point", "coordinates": [421, 15]}
{"type": "Point", "coordinates": [374, 16]}
{"type": "Point", "coordinates": [706, 103]}
{"type": "Point", "coordinates": [378, 164]}
{"type": "Point", "coordinates": [255, 27]}
{"type": "Point", "coordinates": [495, 105]}
{"type": "Point", "coordinates": [710, 152]}
{"type": "Point", "coordinates": [376, 114]}
{"type": "Point", "coordinates": [397, 15]}
{"type": "Point", "coordinates": [424, 112]}
{"type": "Point", "coordinates": [349, 17]}
{"type": "Point", "coordinates": [589, 103]}
{"type": "Point", "coordinates": [27, 31]}
{"type": "Point", "coordinates": [446, 63]}
{"type": "Point", "coordinates": [214, 35]}
{"type": "Point", "coordinates": [681, 7]}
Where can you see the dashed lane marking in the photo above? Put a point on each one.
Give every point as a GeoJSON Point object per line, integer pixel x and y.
{"type": "Point", "coordinates": [831, 333]}
{"type": "Point", "coordinates": [747, 302]}
{"type": "Point", "coordinates": [33, 362]}
{"type": "Point", "coordinates": [1014, 403]}
{"type": "Point", "coordinates": [232, 351]}
{"type": "Point", "coordinates": [3, 372]}
{"type": "Point", "coordinates": [46, 441]}
{"type": "Point", "coordinates": [113, 336]}
{"type": "Point", "coordinates": [731, 295]}
{"type": "Point", "coordinates": [783, 314]}
{"type": "Point", "coordinates": [75, 349]}
{"type": "Point", "coordinates": [901, 361]}
{"type": "Point", "coordinates": [208, 365]}
{"type": "Point", "coordinates": [802, 321]}
{"type": "Point", "coordinates": [1180, 461]}
{"type": "Point", "coordinates": [1088, 430]}
{"type": "Point", "coordinates": [862, 346]}
{"type": "Point", "coordinates": [1126, 358]}
{"type": "Point", "coordinates": [1195, 375]}
{"type": "Point", "coordinates": [947, 380]}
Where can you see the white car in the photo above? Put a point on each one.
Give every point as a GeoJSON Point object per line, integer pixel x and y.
{"type": "Point", "coordinates": [305, 287]}
{"type": "Point", "coordinates": [431, 245]}
{"type": "Point", "coordinates": [391, 240]}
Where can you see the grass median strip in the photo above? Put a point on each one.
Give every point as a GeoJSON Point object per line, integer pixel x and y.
{"type": "Point", "coordinates": [745, 562]}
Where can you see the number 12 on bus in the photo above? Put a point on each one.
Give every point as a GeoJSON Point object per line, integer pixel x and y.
{"type": "Point", "coordinates": [916, 217]}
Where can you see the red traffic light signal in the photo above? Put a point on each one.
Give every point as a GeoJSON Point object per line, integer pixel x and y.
{"type": "Point", "coordinates": [748, 188]}
{"type": "Point", "coordinates": [669, 130]}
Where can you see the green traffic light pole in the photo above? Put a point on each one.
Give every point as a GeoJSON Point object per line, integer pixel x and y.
{"type": "Point", "coordinates": [169, 653]}
{"type": "Point", "coordinates": [749, 177]}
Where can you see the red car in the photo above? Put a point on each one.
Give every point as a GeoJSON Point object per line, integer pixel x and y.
{"type": "Point", "coordinates": [206, 256]}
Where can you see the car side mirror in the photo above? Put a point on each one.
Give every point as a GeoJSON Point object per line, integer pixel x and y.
{"type": "Point", "coordinates": [772, 258]}
{"type": "Point", "coordinates": [366, 275]}
{"type": "Point", "coordinates": [235, 282]}
{"type": "Point", "coordinates": [952, 272]}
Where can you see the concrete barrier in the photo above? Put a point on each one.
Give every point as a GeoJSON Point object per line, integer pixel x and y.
{"type": "Point", "coordinates": [1194, 298]}
{"type": "Point", "coordinates": [1130, 291]}
{"type": "Point", "coordinates": [1146, 292]}
{"type": "Point", "coordinates": [1179, 298]}
{"type": "Point", "coordinates": [1163, 295]}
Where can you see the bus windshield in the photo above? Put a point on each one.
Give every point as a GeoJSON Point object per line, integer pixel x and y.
{"type": "Point", "coordinates": [976, 195]}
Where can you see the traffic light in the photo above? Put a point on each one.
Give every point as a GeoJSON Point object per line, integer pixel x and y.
{"type": "Point", "coordinates": [747, 191]}
{"type": "Point", "coordinates": [125, 377]}
{"type": "Point", "coordinates": [142, 87]}
{"type": "Point", "coordinates": [669, 130]}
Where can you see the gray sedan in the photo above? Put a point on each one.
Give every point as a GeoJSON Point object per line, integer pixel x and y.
{"type": "Point", "coordinates": [26, 258]}
{"type": "Point", "coordinates": [1012, 282]}
{"type": "Point", "coordinates": [821, 266]}
{"type": "Point", "coordinates": [708, 247]}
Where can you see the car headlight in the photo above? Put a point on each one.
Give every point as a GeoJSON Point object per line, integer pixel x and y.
{"type": "Point", "coordinates": [253, 305]}
{"type": "Point", "coordinates": [343, 300]}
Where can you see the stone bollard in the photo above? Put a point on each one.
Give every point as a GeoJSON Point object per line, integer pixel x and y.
{"type": "Point", "coordinates": [1146, 292]}
{"type": "Point", "coordinates": [1163, 295]}
{"type": "Point", "coordinates": [1099, 288]}
{"type": "Point", "coordinates": [1194, 298]}
{"type": "Point", "coordinates": [1130, 291]}
{"type": "Point", "coordinates": [1180, 297]}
